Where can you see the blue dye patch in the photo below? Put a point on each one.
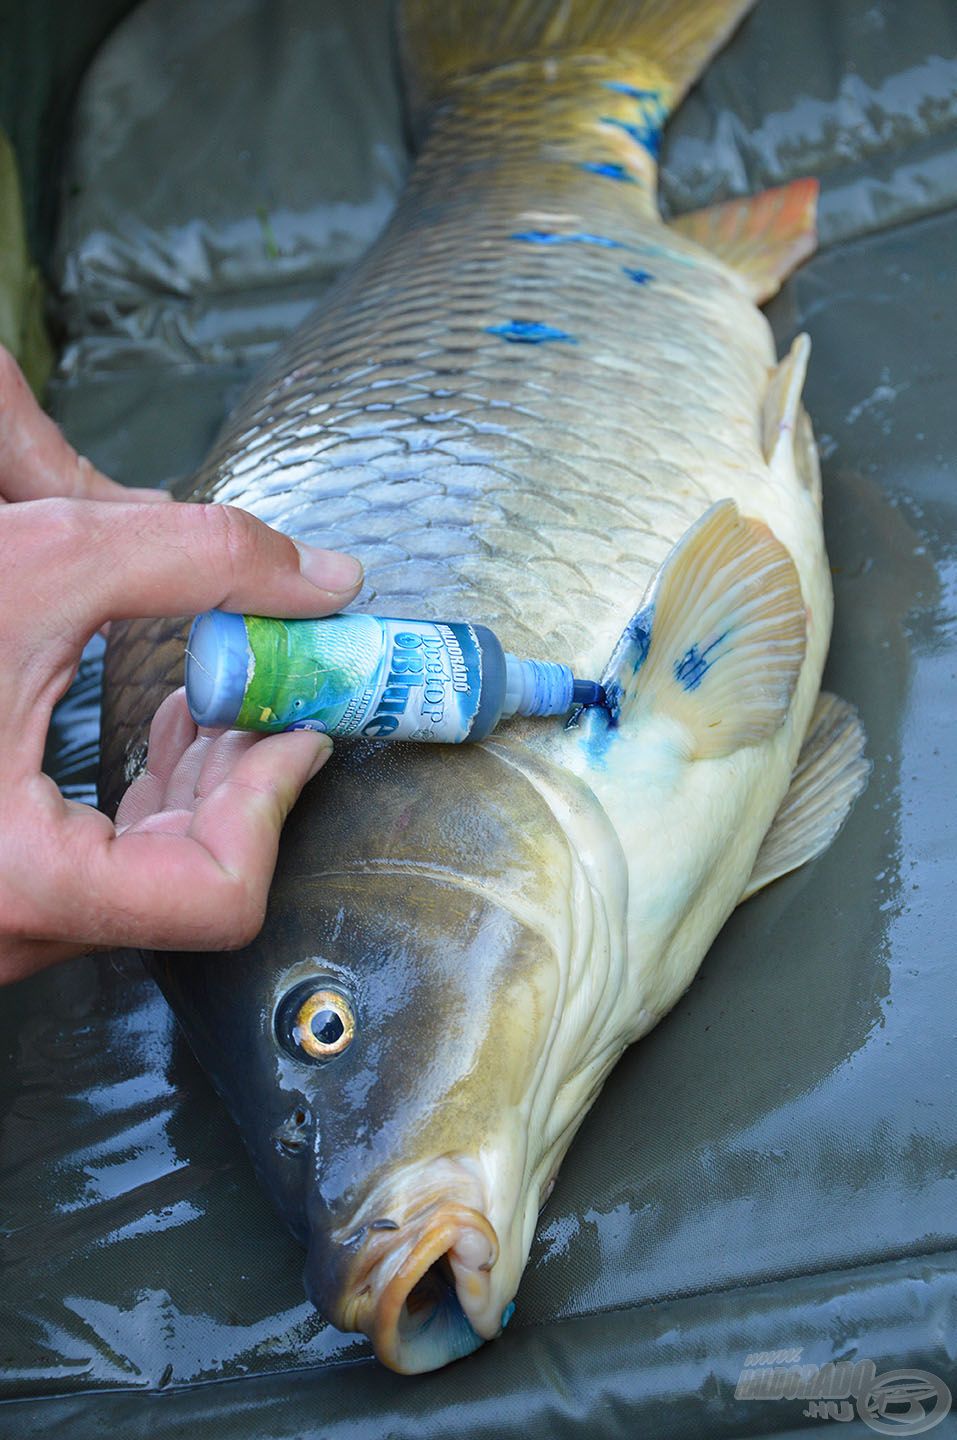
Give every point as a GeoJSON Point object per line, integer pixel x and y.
{"type": "Point", "coordinates": [601, 721]}
{"type": "Point", "coordinates": [597, 739]}
{"type": "Point", "coordinates": [640, 277]}
{"type": "Point", "coordinates": [691, 669]}
{"type": "Point", "coordinates": [633, 90]}
{"type": "Point", "coordinates": [646, 133]}
{"type": "Point", "coordinates": [634, 645]}
{"type": "Point", "coordinates": [529, 332]}
{"type": "Point", "coordinates": [610, 172]}
{"type": "Point", "coordinates": [613, 702]}
{"type": "Point", "coordinates": [646, 128]}
{"type": "Point", "coordinates": [507, 1313]}
{"type": "Point", "coordinates": [548, 237]}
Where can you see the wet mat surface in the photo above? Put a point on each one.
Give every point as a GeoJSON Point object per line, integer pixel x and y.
{"type": "Point", "coordinates": [775, 1165]}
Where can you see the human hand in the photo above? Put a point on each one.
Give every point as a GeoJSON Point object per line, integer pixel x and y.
{"type": "Point", "coordinates": [189, 861]}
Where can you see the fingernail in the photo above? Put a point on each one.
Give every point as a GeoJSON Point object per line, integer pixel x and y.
{"type": "Point", "coordinates": [329, 569]}
{"type": "Point", "coordinates": [325, 750]}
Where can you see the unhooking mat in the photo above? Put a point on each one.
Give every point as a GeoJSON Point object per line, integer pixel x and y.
{"type": "Point", "coordinates": [775, 1167]}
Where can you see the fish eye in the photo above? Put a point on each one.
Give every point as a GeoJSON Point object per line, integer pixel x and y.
{"type": "Point", "coordinates": [316, 1023]}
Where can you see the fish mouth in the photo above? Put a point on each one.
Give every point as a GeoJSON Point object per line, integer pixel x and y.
{"type": "Point", "coordinates": [423, 1291]}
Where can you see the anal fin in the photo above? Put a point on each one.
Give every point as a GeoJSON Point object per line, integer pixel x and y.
{"type": "Point", "coordinates": [761, 237]}
{"type": "Point", "coordinates": [830, 774]}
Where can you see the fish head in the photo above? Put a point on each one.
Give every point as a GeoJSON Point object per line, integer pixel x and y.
{"type": "Point", "coordinates": [416, 1130]}
{"type": "Point", "coordinates": [391, 1056]}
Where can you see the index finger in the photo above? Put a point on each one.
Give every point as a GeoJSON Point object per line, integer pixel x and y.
{"type": "Point", "coordinates": [36, 460]}
{"type": "Point", "coordinates": [180, 880]}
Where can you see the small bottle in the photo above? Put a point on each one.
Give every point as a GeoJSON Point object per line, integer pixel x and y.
{"type": "Point", "coordinates": [361, 676]}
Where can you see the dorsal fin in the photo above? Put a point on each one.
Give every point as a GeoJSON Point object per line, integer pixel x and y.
{"type": "Point", "coordinates": [720, 639]}
{"type": "Point", "coordinates": [761, 237]}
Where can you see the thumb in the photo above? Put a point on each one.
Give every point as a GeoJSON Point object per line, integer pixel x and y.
{"type": "Point", "coordinates": [128, 562]}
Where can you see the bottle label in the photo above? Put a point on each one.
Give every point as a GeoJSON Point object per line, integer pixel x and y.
{"type": "Point", "coordinates": [363, 677]}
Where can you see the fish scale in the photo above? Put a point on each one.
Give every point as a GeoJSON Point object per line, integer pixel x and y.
{"type": "Point", "coordinates": [657, 400]}
{"type": "Point", "coordinates": [633, 430]}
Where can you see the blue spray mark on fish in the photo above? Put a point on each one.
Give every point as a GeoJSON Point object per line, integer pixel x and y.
{"type": "Point", "coordinates": [646, 133]}
{"type": "Point", "coordinates": [642, 645]}
{"type": "Point", "coordinates": [693, 666]}
{"type": "Point", "coordinates": [598, 738]}
{"type": "Point", "coordinates": [631, 649]}
{"type": "Point", "coordinates": [549, 237]}
{"type": "Point", "coordinates": [613, 702]}
{"type": "Point", "coordinates": [633, 91]}
{"type": "Point", "coordinates": [602, 721]}
{"type": "Point", "coordinates": [529, 332]}
{"type": "Point", "coordinates": [582, 237]}
{"type": "Point", "coordinates": [609, 171]}
{"type": "Point", "coordinates": [646, 129]}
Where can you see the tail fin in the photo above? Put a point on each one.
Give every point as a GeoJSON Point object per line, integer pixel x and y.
{"type": "Point", "coordinates": [443, 40]}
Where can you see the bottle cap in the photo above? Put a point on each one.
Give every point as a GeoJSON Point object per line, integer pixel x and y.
{"type": "Point", "coordinates": [217, 668]}
{"type": "Point", "coordinates": [544, 687]}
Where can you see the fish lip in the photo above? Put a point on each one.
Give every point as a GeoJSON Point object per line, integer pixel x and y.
{"type": "Point", "coordinates": [392, 1263]}
{"type": "Point", "coordinates": [460, 1235]}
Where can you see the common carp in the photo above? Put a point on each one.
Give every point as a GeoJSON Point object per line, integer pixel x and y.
{"type": "Point", "coordinates": [531, 404]}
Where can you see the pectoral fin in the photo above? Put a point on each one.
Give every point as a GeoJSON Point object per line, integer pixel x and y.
{"type": "Point", "coordinates": [719, 641]}
{"type": "Point", "coordinates": [830, 774]}
{"type": "Point", "coordinates": [761, 237]}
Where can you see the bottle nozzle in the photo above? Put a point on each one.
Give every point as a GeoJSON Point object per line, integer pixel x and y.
{"type": "Point", "coordinates": [544, 687]}
{"type": "Point", "coordinates": [588, 692]}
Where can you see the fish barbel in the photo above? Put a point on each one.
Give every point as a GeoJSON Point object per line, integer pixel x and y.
{"type": "Point", "coordinates": [529, 405]}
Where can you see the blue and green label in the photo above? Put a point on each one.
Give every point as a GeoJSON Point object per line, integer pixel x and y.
{"type": "Point", "coordinates": [360, 676]}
